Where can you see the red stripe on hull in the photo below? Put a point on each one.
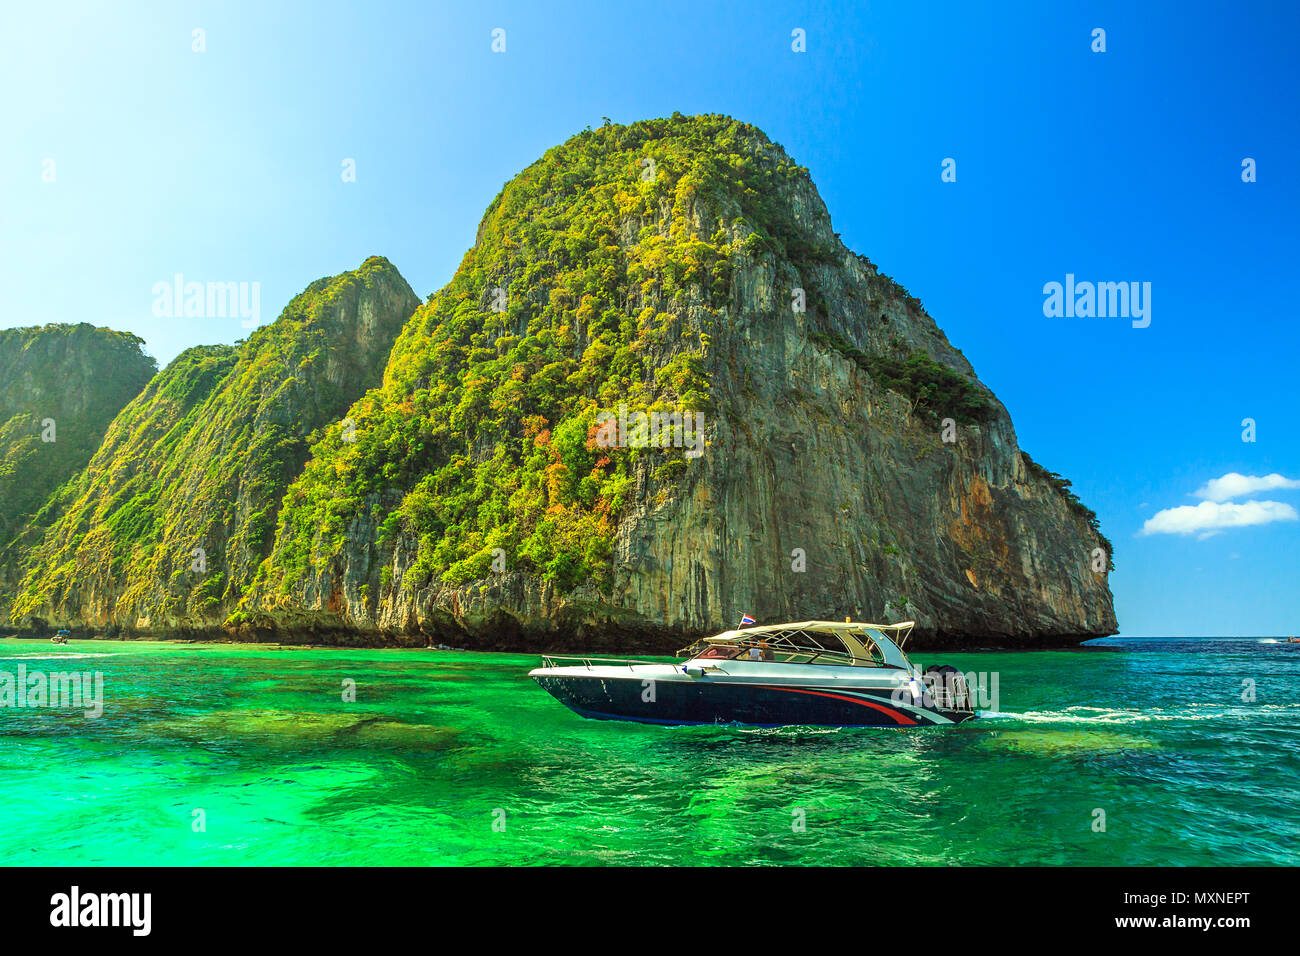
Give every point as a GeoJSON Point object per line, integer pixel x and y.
{"type": "Point", "coordinates": [901, 718]}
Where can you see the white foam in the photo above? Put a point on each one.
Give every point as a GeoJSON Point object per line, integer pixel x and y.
{"type": "Point", "coordinates": [1103, 715]}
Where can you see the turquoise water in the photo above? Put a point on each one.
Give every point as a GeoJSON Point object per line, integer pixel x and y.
{"type": "Point", "coordinates": [458, 758]}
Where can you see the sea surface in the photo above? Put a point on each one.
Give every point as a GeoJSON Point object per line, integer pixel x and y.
{"type": "Point", "coordinates": [1127, 752]}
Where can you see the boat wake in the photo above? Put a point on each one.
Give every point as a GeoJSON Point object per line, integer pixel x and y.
{"type": "Point", "coordinates": [1110, 716]}
{"type": "Point", "coordinates": [791, 731]}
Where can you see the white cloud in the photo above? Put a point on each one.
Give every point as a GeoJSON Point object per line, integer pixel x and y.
{"type": "Point", "coordinates": [1210, 517]}
{"type": "Point", "coordinates": [1234, 485]}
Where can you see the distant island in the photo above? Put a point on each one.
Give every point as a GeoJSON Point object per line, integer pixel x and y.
{"type": "Point", "coordinates": [658, 393]}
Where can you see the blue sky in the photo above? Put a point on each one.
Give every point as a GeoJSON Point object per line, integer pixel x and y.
{"type": "Point", "coordinates": [1118, 166]}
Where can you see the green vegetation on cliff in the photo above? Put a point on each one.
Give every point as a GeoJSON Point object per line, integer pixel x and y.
{"type": "Point", "coordinates": [598, 277]}
{"type": "Point", "coordinates": [60, 386]}
{"type": "Point", "coordinates": [933, 389]}
{"type": "Point", "coordinates": [176, 510]}
{"type": "Point", "coordinates": [367, 461]}
{"type": "Point", "coordinates": [1063, 487]}
{"type": "Point", "coordinates": [595, 280]}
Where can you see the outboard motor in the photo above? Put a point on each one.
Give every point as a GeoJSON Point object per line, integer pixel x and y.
{"type": "Point", "coordinates": [947, 687]}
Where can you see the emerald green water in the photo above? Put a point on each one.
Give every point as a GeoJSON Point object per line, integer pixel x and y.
{"type": "Point", "coordinates": [1154, 733]}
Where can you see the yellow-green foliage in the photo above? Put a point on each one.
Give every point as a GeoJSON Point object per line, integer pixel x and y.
{"type": "Point", "coordinates": [481, 436]}
{"type": "Point", "coordinates": [201, 459]}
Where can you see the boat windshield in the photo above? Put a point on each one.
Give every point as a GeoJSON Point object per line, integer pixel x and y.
{"type": "Point", "coordinates": [853, 647]}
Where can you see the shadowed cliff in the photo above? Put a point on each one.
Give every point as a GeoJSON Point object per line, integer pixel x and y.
{"type": "Point", "coordinates": [166, 525]}
{"type": "Point", "coordinates": [60, 387]}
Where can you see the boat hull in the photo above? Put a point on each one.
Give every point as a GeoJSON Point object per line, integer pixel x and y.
{"type": "Point", "coordinates": [734, 702]}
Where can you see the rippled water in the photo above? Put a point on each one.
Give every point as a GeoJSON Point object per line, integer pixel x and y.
{"type": "Point", "coordinates": [440, 746]}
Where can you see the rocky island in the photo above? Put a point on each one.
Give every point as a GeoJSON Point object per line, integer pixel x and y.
{"type": "Point", "coordinates": [370, 469]}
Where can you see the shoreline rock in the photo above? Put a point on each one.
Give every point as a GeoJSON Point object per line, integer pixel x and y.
{"type": "Point", "coordinates": [610, 643]}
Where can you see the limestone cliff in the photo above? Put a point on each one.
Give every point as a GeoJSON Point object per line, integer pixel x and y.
{"type": "Point", "coordinates": [684, 266]}
{"type": "Point", "coordinates": [60, 386]}
{"type": "Point", "coordinates": [166, 525]}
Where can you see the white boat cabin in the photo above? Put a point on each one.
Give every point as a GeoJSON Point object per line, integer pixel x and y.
{"type": "Point", "coordinates": [846, 644]}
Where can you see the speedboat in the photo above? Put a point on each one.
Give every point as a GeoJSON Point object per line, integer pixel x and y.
{"type": "Point", "coordinates": [818, 673]}
{"type": "Point", "coordinates": [61, 637]}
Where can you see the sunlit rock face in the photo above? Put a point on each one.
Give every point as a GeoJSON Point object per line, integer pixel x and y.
{"type": "Point", "coordinates": [658, 393]}
{"type": "Point", "coordinates": [848, 463]}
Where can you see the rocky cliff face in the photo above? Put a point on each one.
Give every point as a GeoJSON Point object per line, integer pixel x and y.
{"type": "Point", "coordinates": [60, 386]}
{"type": "Point", "coordinates": [164, 529]}
{"type": "Point", "coordinates": [854, 465]}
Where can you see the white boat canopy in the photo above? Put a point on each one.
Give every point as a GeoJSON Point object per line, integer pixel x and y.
{"type": "Point", "coordinates": [813, 642]}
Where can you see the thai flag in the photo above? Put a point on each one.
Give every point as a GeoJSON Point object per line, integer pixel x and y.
{"type": "Point", "coordinates": [745, 619]}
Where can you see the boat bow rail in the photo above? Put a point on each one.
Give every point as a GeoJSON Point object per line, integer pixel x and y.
{"type": "Point", "coordinates": [573, 660]}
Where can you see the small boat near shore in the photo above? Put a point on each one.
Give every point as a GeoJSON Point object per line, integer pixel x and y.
{"type": "Point", "coordinates": [816, 673]}
{"type": "Point", "coordinates": [61, 637]}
